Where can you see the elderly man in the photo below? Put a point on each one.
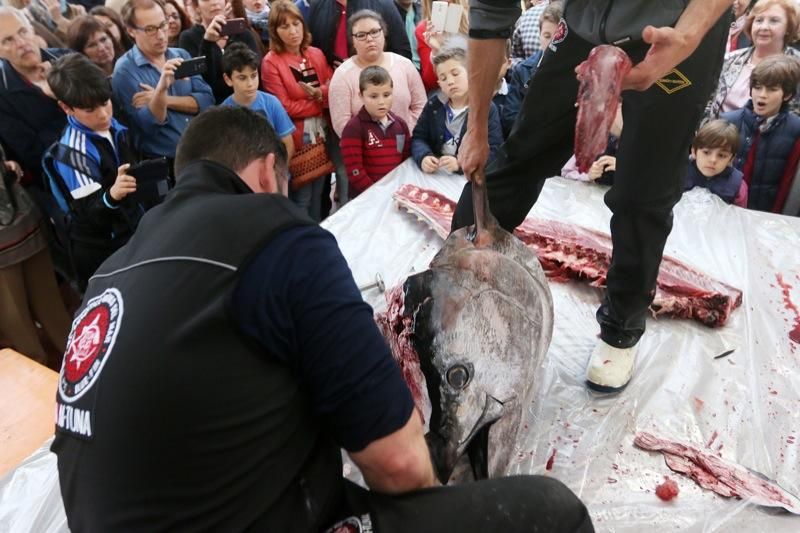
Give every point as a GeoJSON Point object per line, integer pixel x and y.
{"type": "Point", "coordinates": [30, 119]}
{"type": "Point", "coordinates": [677, 47]}
{"type": "Point", "coordinates": [157, 105]}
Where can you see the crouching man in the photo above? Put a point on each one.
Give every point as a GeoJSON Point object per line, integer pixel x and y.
{"type": "Point", "coordinates": [222, 358]}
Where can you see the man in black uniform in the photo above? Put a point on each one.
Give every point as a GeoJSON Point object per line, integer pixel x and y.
{"type": "Point", "coordinates": [224, 355]}
{"type": "Point", "coordinates": [677, 48]}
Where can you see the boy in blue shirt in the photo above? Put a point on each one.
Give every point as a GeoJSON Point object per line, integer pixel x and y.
{"type": "Point", "coordinates": [90, 162]}
{"type": "Point", "coordinates": [240, 72]}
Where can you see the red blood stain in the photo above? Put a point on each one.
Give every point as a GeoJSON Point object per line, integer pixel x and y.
{"type": "Point", "coordinates": [611, 480]}
{"type": "Point", "coordinates": [667, 490]}
{"type": "Point", "coordinates": [794, 335]}
{"type": "Point", "coordinates": [712, 439]}
{"type": "Point", "coordinates": [698, 403]}
{"type": "Point", "coordinates": [549, 464]}
{"type": "Point", "coordinates": [606, 361]}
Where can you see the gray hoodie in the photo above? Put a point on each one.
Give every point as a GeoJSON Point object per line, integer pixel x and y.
{"type": "Point", "coordinates": [597, 21]}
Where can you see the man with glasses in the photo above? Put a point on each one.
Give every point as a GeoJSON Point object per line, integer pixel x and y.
{"type": "Point", "coordinates": [31, 119]}
{"type": "Point", "coordinates": [158, 107]}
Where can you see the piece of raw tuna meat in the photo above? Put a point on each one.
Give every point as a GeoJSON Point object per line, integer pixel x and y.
{"type": "Point", "coordinates": [721, 476]}
{"type": "Point", "coordinates": [600, 78]}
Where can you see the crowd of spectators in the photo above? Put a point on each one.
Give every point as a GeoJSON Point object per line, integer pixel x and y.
{"type": "Point", "coordinates": [89, 91]}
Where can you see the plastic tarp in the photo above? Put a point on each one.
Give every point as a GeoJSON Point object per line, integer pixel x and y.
{"type": "Point", "coordinates": [746, 405]}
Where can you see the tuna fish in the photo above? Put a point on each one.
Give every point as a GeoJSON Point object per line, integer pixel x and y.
{"type": "Point", "coordinates": [480, 320]}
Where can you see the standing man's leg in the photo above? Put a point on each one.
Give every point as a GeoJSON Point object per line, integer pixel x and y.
{"type": "Point", "coordinates": [658, 127]}
{"type": "Point", "coordinates": [540, 142]}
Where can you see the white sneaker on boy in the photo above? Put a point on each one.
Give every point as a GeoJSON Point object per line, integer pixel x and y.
{"type": "Point", "coordinates": [610, 369]}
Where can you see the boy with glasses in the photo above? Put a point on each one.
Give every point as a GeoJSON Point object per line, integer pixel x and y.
{"type": "Point", "coordinates": [158, 106]}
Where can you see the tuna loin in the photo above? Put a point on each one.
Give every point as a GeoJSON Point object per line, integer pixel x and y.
{"type": "Point", "coordinates": [716, 474]}
{"type": "Point", "coordinates": [571, 251]}
{"type": "Point", "coordinates": [477, 325]}
{"type": "Point", "coordinates": [600, 78]}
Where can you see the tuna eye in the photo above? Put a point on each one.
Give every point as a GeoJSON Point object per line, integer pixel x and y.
{"type": "Point", "coordinates": [458, 376]}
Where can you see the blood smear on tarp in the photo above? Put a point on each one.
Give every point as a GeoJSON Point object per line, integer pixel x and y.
{"type": "Point", "coordinates": [794, 334]}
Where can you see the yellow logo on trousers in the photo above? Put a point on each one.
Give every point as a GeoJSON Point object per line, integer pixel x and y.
{"type": "Point", "coordinates": [674, 81]}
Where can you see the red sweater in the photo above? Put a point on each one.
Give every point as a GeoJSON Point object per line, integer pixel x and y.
{"type": "Point", "coordinates": [277, 79]}
{"type": "Point", "coordinates": [369, 153]}
{"type": "Point", "coordinates": [429, 78]}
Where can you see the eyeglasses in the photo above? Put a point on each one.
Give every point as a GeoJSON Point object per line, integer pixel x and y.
{"type": "Point", "coordinates": [174, 16]}
{"type": "Point", "coordinates": [362, 35]}
{"type": "Point", "coordinates": [152, 30]}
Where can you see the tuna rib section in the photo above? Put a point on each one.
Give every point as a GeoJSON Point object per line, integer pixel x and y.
{"type": "Point", "coordinates": [568, 251]}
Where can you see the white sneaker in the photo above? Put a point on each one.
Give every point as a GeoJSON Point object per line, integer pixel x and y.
{"type": "Point", "coordinates": [610, 369]}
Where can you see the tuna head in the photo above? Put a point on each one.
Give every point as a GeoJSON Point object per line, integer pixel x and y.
{"type": "Point", "coordinates": [482, 323]}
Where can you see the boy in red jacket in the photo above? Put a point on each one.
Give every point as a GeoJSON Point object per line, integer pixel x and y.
{"type": "Point", "coordinates": [375, 140]}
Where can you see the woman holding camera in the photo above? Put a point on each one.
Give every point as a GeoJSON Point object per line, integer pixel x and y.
{"type": "Point", "coordinates": [298, 75]}
{"type": "Point", "coordinates": [209, 38]}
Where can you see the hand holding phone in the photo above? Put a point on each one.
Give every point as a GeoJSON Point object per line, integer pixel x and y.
{"type": "Point", "coordinates": [233, 27]}
{"type": "Point", "coordinates": [191, 67]}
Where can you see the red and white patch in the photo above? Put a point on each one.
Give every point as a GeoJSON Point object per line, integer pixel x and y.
{"type": "Point", "coordinates": [561, 33]}
{"type": "Point", "coordinates": [89, 346]}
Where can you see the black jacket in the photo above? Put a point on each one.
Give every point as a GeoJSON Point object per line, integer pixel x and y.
{"type": "Point", "coordinates": [168, 418]}
{"type": "Point", "coordinates": [31, 121]}
{"type": "Point", "coordinates": [323, 21]}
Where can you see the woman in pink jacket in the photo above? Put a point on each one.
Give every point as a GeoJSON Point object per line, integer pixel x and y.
{"type": "Point", "coordinates": [298, 75]}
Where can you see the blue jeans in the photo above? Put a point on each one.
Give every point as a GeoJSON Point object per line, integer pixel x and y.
{"type": "Point", "coordinates": [309, 198]}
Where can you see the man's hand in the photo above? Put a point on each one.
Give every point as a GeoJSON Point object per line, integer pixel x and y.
{"type": "Point", "coordinates": [474, 151]}
{"type": "Point", "coordinates": [668, 47]}
{"type": "Point", "coordinates": [449, 163]}
{"type": "Point", "coordinates": [430, 164]}
{"type": "Point", "coordinates": [212, 32]}
{"type": "Point", "coordinates": [123, 185]}
{"type": "Point", "coordinates": [143, 97]}
{"type": "Point", "coordinates": [168, 74]}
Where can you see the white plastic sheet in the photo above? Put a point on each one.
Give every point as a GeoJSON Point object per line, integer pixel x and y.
{"type": "Point", "coordinates": [750, 399]}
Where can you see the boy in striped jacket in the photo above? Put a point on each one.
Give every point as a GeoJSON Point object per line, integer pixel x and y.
{"type": "Point", "coordinates": [375, 140]}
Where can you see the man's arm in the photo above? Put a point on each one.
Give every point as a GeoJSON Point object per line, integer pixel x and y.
{"type": "Point", "coordinates": [183, 104]}
{"type": "Point", "coordinates": [399, 462]}
{"type": "Point", "coordinates": [299, 301]}
{"type": "Point", "coordinates": [485, 58]}
{"type": "Point", "coordinates": [670, 46]}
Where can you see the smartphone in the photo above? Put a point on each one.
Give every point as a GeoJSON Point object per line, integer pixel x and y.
{"type": "Point", "coordinates": [453, 18]}
{"type": "Point", "coordinates": [191, 67]}
{"type": "Point", "coordinates": [439, 15]}
{"type": "Point", "coordinates": [233, 27]}
{"type": "Point", "coordinates": [149, 170]}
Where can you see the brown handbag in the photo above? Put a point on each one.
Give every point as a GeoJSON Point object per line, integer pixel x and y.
{"type": "Point", "coordinates": [308, 164]}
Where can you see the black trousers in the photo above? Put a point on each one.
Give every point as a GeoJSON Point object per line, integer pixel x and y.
{"type": "Point", "coordinates": [659, 125]}
{"type": "Point", "coordinates": [511, 505]}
